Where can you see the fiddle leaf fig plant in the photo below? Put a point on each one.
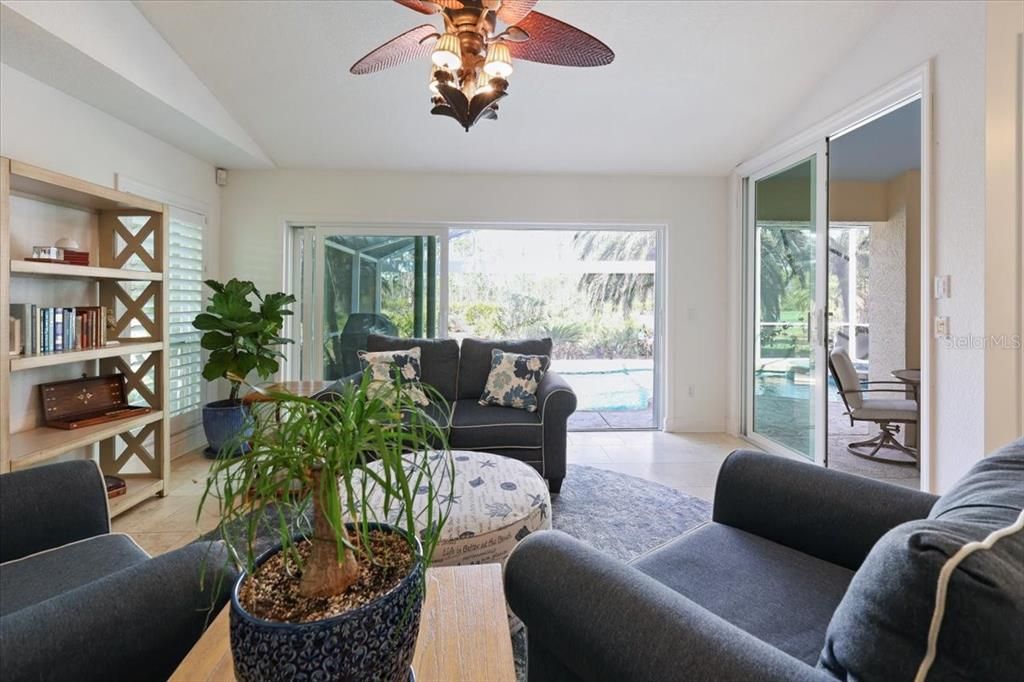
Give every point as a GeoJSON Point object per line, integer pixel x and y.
{"type": "Point", "coordinates": [240, 337]}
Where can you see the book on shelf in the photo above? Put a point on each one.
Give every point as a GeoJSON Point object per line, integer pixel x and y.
{"type": "Point", "coordinates": [116, 486]}
{"type": "Point", "coordinates": [21, 341]}
{"type": "Point", "coordinates": [14, 345]}
{"type": "Point", "coordinates": [56, 329]}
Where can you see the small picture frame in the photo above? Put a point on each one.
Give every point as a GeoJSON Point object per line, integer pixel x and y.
{"type": "Point", "coordinates": [48, 252]}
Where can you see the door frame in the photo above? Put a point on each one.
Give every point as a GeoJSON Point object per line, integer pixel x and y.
{"type": "Point", "coordinates": [751, 335]}
{"type": "Point", "coordinates": [914, 84]}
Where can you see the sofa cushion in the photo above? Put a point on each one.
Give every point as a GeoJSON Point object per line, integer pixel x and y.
{"type": "Point", "coordinates": [881, 629]}
{"type": "Point", "coordinates": [440, 413]}
{"type": "Point", "coordinates": [439, 359]}
{"type": "Point", "coordinates": [46, 574]}
{"type": "Point", "coordinates": [780, 595]}
{"type": "Point", "coordinates": [475, 361]}
{"type": "Point", "coordinates": [475, 427]}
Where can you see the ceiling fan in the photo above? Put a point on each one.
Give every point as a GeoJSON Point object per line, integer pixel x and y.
{"type": "Point", "coordinates": [472, 59]}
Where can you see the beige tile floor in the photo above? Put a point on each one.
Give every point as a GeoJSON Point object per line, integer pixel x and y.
{"type": "Point", "coordinates": [688, 462]}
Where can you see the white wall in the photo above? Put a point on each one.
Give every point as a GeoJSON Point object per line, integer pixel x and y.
{"type": "Point", "coordinates": [953, 34]}
{"type": "Point", "coordinates": [1004, 238]}
{"type": "Point", "coordinates": [257, 204]}
{"type": "Point", "coordinates": [44, 127]}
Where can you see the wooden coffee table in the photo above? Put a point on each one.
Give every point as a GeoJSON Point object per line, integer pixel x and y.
{"type": "Point", "coordinates": [463, 635]}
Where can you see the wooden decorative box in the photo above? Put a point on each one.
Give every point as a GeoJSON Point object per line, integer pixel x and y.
{"type": "Point", "coordinates": [86, 402]}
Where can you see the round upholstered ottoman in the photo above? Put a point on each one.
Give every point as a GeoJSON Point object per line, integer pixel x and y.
{"type": "Point", "coordinates": [496, 502]}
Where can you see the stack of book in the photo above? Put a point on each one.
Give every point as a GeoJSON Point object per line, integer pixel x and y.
{"type": "Point", "coordinates": [53, 330]}
{"type": "Point", "coordinates": [56, 254]}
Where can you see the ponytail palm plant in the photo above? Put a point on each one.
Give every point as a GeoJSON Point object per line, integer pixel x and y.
{"type": "Point", "coordinates": [336, 469]}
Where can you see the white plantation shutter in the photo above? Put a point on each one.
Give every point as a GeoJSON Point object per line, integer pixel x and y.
{"type": "Point", "coordinates": [185, 290]}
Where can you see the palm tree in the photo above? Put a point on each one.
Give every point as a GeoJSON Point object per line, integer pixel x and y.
{"type": "Point", "coordinates": [785, 258]}
{"type": "Point", "coordinates": [622, 290]}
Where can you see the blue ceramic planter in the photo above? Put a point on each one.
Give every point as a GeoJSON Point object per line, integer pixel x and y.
{"type": "Point", "coordinates": [372, 643]}
{"type": "Point", "coordinates": [224, 421]}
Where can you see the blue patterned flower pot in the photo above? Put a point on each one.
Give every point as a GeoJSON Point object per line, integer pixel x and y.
{"type": "Point", "coordinates": [372, 643]}
{"type": "Point", "coordinates": [224, 422]}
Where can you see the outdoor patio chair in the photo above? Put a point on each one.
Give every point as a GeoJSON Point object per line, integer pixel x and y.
{"type": "Point", "coordinates": [353, 338]}
{"type": "Point", "coordinates": [887, 413]}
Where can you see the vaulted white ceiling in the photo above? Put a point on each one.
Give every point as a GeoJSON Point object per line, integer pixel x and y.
{"type": "Point", "coordinates": [695, 86]}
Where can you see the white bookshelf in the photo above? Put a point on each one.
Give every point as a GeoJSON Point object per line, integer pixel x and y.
{"type": "Point", "coordinates": [115, 248]}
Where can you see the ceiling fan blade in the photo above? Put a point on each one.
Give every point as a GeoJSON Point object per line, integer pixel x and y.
{"type": "Point", "coordinates": [513, 11]}
{"type": "Point", "coordinates": [430, 6]}
{"type": "Point", "coordinates": [412, 44]}
{"type": "Point", "coordinates": [556, 42]}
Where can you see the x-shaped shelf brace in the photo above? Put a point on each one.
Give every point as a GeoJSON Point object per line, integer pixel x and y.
{"type": "Point", "coordinates": [134, 244]}
{"type": "Point", "coordinates": [134, 378]}
{"type": "Point", "coordinates": [134, 308]}
{"type": "Point", "coordinates": [134, 445]}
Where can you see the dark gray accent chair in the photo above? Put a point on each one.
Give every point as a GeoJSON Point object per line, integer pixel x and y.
{"type": "Point", "coordinates": [459, 375]}
{"type": "Point", "coordinates": [802, 574]}
{"type": "Point", "coordinates": [78, 602]}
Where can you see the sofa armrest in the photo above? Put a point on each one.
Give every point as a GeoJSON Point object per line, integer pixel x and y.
{"type": "Point", "coordinates": [834, 516]}
{"type": "Point", "coordinates": [137, 623]}
{"type": "Point", "coordinates": [556, 398]}
{"type": "Point", "coordinates": [557, 402]}
{"type": "Point", "coordinates": [597, 618]}
{"type": "Point", "coordinates": [50, 506]}
{"type": "Point", "coordinates": [328, 393]}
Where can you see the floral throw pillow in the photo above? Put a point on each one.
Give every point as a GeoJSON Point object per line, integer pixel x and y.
{"type": "Point", "coordinates": [384, 366]}
{"type": "Point", "coordinates": [513, 380]}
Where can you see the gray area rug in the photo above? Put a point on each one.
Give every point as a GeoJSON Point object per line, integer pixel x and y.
{"type": "Point", "coordinates": [622, 516]}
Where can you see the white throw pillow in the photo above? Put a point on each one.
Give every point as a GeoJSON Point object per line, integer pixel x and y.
{"type": "Point", "coordinates": [384, 366]}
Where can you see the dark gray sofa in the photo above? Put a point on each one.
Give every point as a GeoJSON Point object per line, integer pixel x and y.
{"type": "Point", "coordinates": [803, 574]}
{"type": "Point", "coordinates": [459, 374]}
{"type": "Point", "coordinates": [78, 602]}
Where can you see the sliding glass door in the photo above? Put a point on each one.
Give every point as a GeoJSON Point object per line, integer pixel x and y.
{"type": "Point", "coordinates": [785, 245]}
{"type": "Point", "coordinates": [360, 282]}
{"type": "Point", "coordinates": [594, 292]}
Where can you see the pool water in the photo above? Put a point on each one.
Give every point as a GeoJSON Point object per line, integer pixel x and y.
{"type": "Point", "coordinates": [781, 387]}
{"type": "Point", "coordinates": [612, 389]}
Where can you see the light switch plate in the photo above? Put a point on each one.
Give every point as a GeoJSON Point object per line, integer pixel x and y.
{"type": "Point", "coordinates": [941, 286]}
{"type": "Point", "coordinates": [941, 327]}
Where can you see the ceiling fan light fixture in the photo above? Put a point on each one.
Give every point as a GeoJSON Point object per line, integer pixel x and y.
{"type": "Point", "coordinates": [499, 61]}
{"type": "Point", "coordinates": [448, 52]}
{"type": "Point", "coordinates": [483, 84]}
{"type": "Point", "coordinates": [472, 60]}
{"type": "Point", "coordinates": [438, 75]}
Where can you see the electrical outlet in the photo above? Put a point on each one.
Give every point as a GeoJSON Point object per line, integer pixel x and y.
{"type": "Point", "coordinates": [941, 327]}
{"type": "Point", "coordinates": [691, 390]}
{"type": "Point", "coordinates": [941, 286]}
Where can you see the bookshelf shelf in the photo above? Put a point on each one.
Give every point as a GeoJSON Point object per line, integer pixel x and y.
{"type": "Point", "coordinates": [27, 268]}
{"type": "Point", "coordinates": [64, 190]}
{"type": "Point", "coordinates": [128, 229]}
{"type": "Point", "coordinates": [41, 444]}
{"type": "Point", "coordinates": [23, 362]}
{"type": "Point", "coordinates": [139, 489]}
